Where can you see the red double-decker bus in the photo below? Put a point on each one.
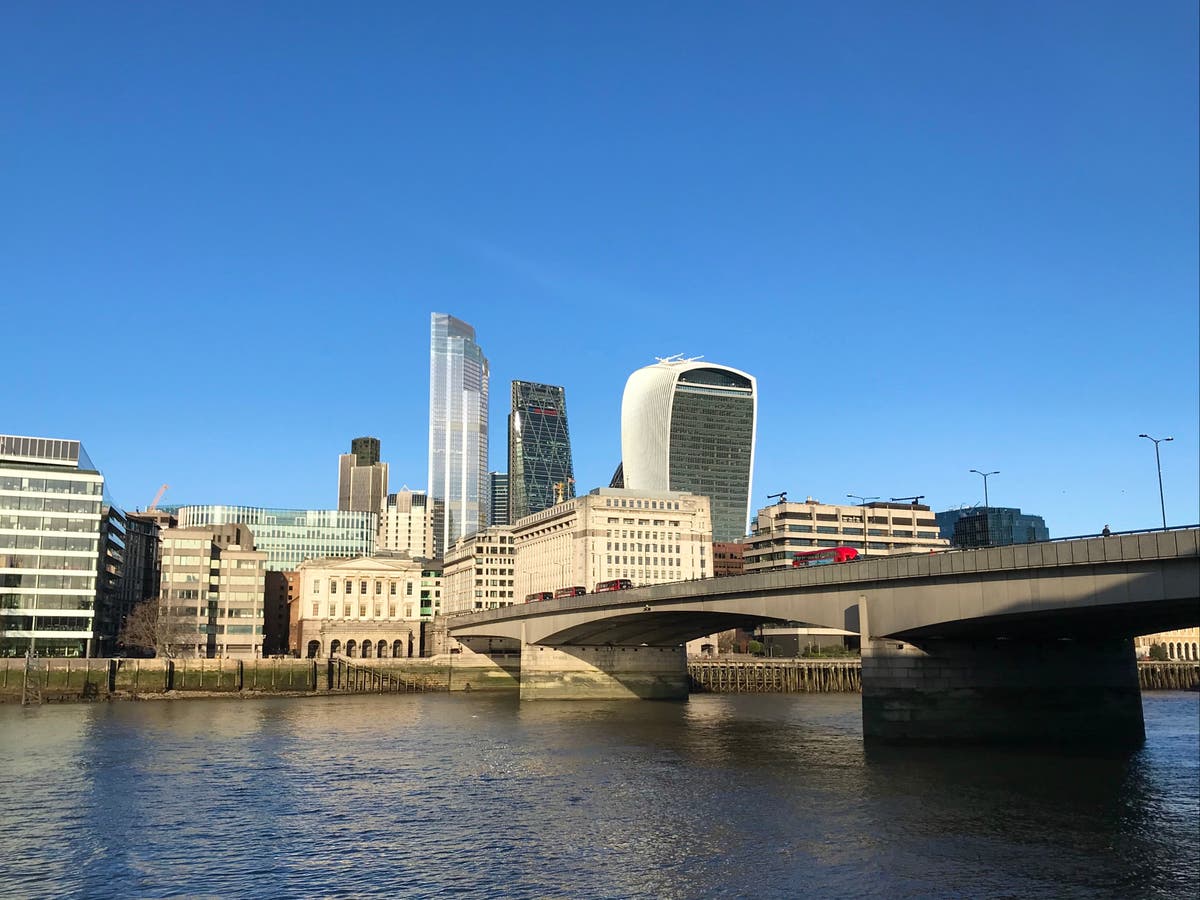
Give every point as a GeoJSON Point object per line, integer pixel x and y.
{"type": "Point", "coordinates": [617, 584]}
{"type": "Point", "coordinates": [540, 595]}
{"type": "Point", "coordinates": [577, 591]}
{"type": "Point", "coordinates": [823, 557]}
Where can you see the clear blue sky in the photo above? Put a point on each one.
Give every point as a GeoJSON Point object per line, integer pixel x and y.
{"type": "Point", "coordinates": [942, 235]}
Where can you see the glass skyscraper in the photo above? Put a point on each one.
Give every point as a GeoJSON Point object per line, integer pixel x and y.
{"type": "Point", "coordinates": [458, 431]}
{"type": "Point", "coordinates": [689, 426]}
{"type": "Point", "coordinates": [539, 449]}
{"type": "Point", "coordinates": [995, 526]}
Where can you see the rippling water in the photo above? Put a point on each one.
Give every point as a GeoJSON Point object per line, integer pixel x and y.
{"type": "Point", "coordinates": [431, 794]}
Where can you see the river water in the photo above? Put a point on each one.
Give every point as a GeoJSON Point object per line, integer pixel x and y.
{"type": "Point", "coordinates": [473, 795]}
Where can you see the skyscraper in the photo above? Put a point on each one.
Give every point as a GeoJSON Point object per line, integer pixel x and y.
{"type": "Point", "coordinates": [458, 431]}
{"type": "Point", "coordinates": [499, 513]}
{"type": "Point", "coordinates": [362, 478]}
{"type": "Point", "coordinates": [539, 450]}
{"type": "Point", "coordinates": [689, 426]}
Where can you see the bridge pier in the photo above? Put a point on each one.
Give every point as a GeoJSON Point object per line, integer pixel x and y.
{"type": "Point", "coordinates": [1048, 692]}
{"type": "Point", "coordinates": [603, 673]}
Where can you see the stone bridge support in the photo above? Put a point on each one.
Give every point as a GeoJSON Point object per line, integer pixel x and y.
{"type": "Point", "coordinates": [603, 673]}
{"type": "Point", "coordinates": [1050, 692]}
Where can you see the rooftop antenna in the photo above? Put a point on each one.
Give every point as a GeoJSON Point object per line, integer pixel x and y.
{"type": "Point", "coordinates": [911, 500]}
{"type": "Point", "coordinates": [782, 495]}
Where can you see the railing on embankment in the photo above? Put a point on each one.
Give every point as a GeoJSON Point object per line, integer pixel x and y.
{"type": "Point", "coordinates": [786, 676]}
{"type": "Point", "coordinates": [97, 679]}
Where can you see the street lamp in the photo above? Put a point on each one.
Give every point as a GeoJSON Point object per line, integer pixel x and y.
{"type": "Point", "coordinates": [985, 475]}
{"type": "Point", "coordinates": [1158, 463]}
{"type": "Point", "coordinates": [863, 502]}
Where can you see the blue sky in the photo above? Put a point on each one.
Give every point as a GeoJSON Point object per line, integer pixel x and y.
{"type": "Point", "coordinates": [943, 236]}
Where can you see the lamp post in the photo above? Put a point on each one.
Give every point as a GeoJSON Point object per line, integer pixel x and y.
{"type": "Point", "coordinates": [863, 502]}
{"type": "Point", "coordinates": [985, 475]}
{"type": "Point", "coordinates": [1158, 464]}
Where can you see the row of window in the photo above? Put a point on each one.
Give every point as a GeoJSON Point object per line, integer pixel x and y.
{"type": "Point", "coordinates": [10, 560]}
{"type": "Point", "coordinates": [362, 586]}
{"type": "Point", "coordinates": [348, 610]}
{"type": "Point", "coordinates": [26, 503]}
{"type": "Point", "coordinates": [50, 485]}
{"type": "Point", "coordinates": [57, 582]}
{"type": "Point", "coordinates": [46, 542]}
{"type": "Point", "coordinates": [626, 503]}
{"type": "Point", "coordinates": [44, 601]}
{"type": "Point", "coordinates": [47, 523]}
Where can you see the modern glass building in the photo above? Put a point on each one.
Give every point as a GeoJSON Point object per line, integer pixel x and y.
{"type": "Point", "coordinates": [51, 525]}
{"type": "Point", "coordinates": [540, 473]}
{"type": "Point", "coordinates": [991, 526]}
{"type": "Point", "coordinates": [689, 426]}
{"type": "Point", "coordinates": [458, 431]}
{"type": "Point", "coordinates": [499, 514]}
{"type": "Point", "coordinates": [290, 536]}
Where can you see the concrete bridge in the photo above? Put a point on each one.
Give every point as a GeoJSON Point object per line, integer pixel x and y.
{"type": "Point", "coordinates": [1032, 642]}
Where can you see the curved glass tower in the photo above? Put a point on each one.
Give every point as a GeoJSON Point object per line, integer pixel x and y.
{"type": "Point", "coordinates": [689, 426]}
{"type": "Point", "coordinates": [459, 483]}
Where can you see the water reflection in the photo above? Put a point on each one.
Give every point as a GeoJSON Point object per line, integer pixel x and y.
{"type": "Point", "coordinates": [764, 796]}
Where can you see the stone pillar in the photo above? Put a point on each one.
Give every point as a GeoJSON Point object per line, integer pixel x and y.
{"type": "Point", "coordinates": [1048, 692]}
{"type": "Point", "coordinates": [603, 673]}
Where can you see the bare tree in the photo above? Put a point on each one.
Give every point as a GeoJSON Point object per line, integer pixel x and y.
{"type": "Point", "coordinates": [154, 628]}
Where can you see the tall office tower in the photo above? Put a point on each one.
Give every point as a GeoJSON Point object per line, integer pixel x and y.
{"type": "Point", "coordinates": [407, 525]}
{"type": "Point", "coordinates": [499, 514]}
{"type": "Point", "coordinates": [540, 474]}
{"type": "Point", "coordinates": [362, 478]}
{"type": "Point", "coordinates": [51, 530]}
{"type": "Point", "coordinates": [689, 426]}
{"type": "Point", "coordinates": [458, 431]}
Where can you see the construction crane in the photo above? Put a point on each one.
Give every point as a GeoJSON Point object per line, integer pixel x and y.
{"type": "Point", "coordinates": [910, 500]}
{"type": "Point", "coordinates": [782, 495]}
{"type": "Point", "coordinates": [154, 503]}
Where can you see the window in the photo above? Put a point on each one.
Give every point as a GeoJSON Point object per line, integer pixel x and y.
{"type": "Point", "coordinates": [316, 585]}
{"type": "Point", "coordinates": [379, 587]}
{"type": "Point", "coordinates": [316, 610]}
{"type": "Point", "coordinates": [333, 585]}
{"type": "Point", "coordinates": [362, 587]}
{"type": "Point", "coordinates": [349, 586]}
{"type": "Point", "coordinates": [408, 589]}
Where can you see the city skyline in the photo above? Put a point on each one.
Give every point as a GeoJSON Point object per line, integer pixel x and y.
{"type": "Point", "coordinates": [963, 271]}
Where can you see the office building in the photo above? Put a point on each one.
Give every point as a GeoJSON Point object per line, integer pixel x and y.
{"type": "Point", "coordinates": [50, 531]}
{"type": "Point", "coordinates": [113, 603]}
{"type": "Point", "coordinates": [458, 431]}
{"type": "Point", "coordinates": [478, 571]}
{"type": "Point", "coordinates": [366, 607]}
{"type": "Point", "coordinates": [212, 592]}
{"type": "Point", "coordinates": [728, 558]}
{"type": "Point", "coordinates": [407, 525]}
{"type": "Point", "coordinates": [499, 514]}
{"type": "Point", "coordinates": [647, 537]}
{"type": "Point", "coordinates": [540, 473]}
{"type": "Point", "coordinates": [362, 485]}
{"type": "Point", "coordinates": [781, 530]}
{"type": "Point", "coordinates": [994, 526]}
{"type": "Point", "coordinates": [689, 426]}
{"type": "Point", "coordinates": [291, 536]}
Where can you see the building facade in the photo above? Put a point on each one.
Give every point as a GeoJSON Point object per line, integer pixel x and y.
{"type": "Point", "coordinates": [690, 426]}
{"type": "Point", "coordinates": [781, 530]}
{"type": "Point", "coordinates": [540, 472]}
{"type": "Point", "coordinates": [728, 558]}
{"type": "Point", "coordinates": [51, 497]}
{"type": "Point", "coordinates": [362, 485]}
{"type": "Point", "coordinates": [994, 526]}
{"type": "Point", "coordinates": [291, 536]}
{"type": "Point", "coordinates": [478, 571]}
{"type": "Point", "coordinates": [407, 525]}
{"type": "Point", "coordinates": [367, 607]}
{"type": "Point", "coordinates": [212, 591]}
{"type": "Point", "coordinates": [648, 537]}
{"type": "Point", "coordinates": [458, 431]}
{"type": "Point", "coordinates": [499, 514]}
{"type": "Point", "coordinates": [1182, 644]}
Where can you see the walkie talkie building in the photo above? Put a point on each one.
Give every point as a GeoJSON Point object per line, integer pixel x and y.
{"type": "Point", "coordinates": [689, 426]}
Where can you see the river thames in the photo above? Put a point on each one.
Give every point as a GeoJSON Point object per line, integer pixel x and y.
{"type": "Point", "coordinates": [426, 795]}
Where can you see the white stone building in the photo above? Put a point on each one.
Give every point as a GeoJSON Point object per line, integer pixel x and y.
{"type": "Point", "coordinates": [478, 571]}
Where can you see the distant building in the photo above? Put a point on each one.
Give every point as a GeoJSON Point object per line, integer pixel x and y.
{"type": "Point", "coordinates": [458, 431]}
{"type": "Point", "coordinates": [728, 558]}
{"type": "Point", "coordinates": [212, 589]}
{"type": "Point", "coordinates": [49, 584]}
{"type": "Point", "coordinates": [291, 536]}
{"type": "Point", "coordinates": [431, 591]}
{"type": "Point", "coordinates": [279, 595]}
{"type": "Point", "coordinates": [477, 572]}
{"type": "Point", "coordinates": [112, 602]}
{"type": "Point", "coordinates": [366, 607]}
{"type": "Point", "coordinates": [690, 426]}
{"type": "Point", "coordinates": [648, 537]}
{"type": "Point", "coordinates": [994, 526]}
{"type": "Point", "coordinates": [1181, 644]}
{"type": "Point", "coordinates": [143, 558]}
{"type": "Point", "coordinates": [407, 525]}
{"type": "Point", "coordinates": [499, 514]}
{"type": "Point", "coordinates": [781, 530]}
{"type": "Point", "coordinates": [362, 485]}
{"type": "Point", "coordinates": [540, 472]}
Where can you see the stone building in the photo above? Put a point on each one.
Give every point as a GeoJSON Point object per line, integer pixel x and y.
{"type": "Point", "coordinates": [1181, 644]}
{"type": "Point", "coordinates": [477, 572]}
{"type": "Point", "coordinates": [366, 607]}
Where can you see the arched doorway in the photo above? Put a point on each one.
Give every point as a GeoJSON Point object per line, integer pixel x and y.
{"type": "Point", "coordinates": [335, 647]}
{"type": "Point", "coordinates": [314, 649]}
{"type": "Point", "coordinates": [397, 648]}
{"type": "Point", "coordinates": [351, 648]}
{"type": "Point", "coordinates": [367, 648]}
{"type": "Point", "coordinates": [381, 650]}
